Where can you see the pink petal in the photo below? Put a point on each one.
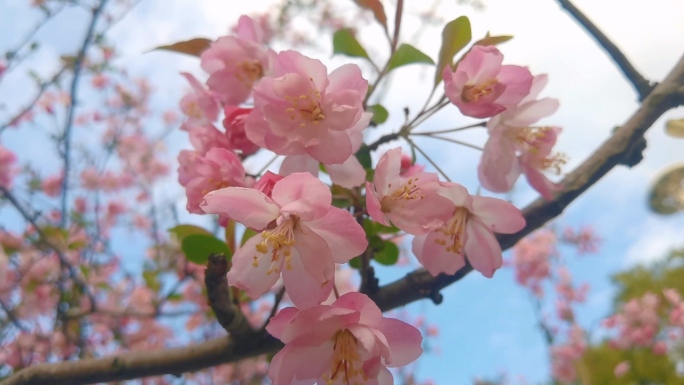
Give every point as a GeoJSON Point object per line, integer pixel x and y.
{"type": "Point", "coordinates": [277, 324]}
{"type": "Point", "coordinates": [302, 194]}
{"type": "Point", "coordinates": [304, 290]}
{"type": "Point", "coordinates": [314, 254]}
{"type": "Point", "coordinates": [332, 321]}
{"type": "Point", "coordinates": [347, 77]}
{"type": "Point", "coordinates": [499, 215]}
{"type": "Point", "coordinates": [300, 363]}
{"type": "Point", "coordinates": [482, 248]}
{"type": "Point", "coordinates": [334, 147]}
{"type": "Point", "coordinates": [305, 325]}
{"type": "Point", "coordinates": [499, 168]}
{"type": "Point", "coordinates": [299, 163]}
{"type": "Point", "coordinates": [370, 313]}
{"type": "Point", "coordinates": [370, 342]}
{"type": "Point", "coordinates": [295, 62]}
{"type": "Point", "coordinates": [387, 171]}
{"type": "Point", "coordinates": [481, 64]}
{"type": "Point", "coordinates": [404, 342]}
{"type": "Point", "coordinates": [349, 174]}
{"type": "Point", "coordinates": [530, 112]}
{"type": "Point", "coordinates": [518, 81]}
{"type": "Point", "coordinates": [538, 84]}
{"type": "Point", "coordinates": [250, 207]}
{"type": "Point", "coordinates": [342, 234]}
{"type": "Point", "coordinates": [373, 205]}
{"type": "Point", "coordinates": [385, 377]}
{"type": "Point", "coordinates": [255, 281]}
{"type": "Point", "coordinates": [434, 257]}
{"type": "Point", "coordinates": [356, 132]}
{"type": "Point", "coordinates": [540, 182]}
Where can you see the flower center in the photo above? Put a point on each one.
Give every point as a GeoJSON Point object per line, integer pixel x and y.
{"type": "Point", "coordinates": [249, 72]}
{"type": "Point", "coordinates": [554, 163]}
{"type": "Point", "coordinates": [346, 362]}
{"type": "Point", "coordinates": [454, 231]}
{"type": "Point", "coordinates": [280, 241]}
{"type": "Point", "coordinates": [306, 108]}
{"type": "Point", "coordinates": [406, 192]}
{"type": "Point", "coordinates": [474, 93]}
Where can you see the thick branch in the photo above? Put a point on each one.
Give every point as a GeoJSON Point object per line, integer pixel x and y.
{"type": "Point", "coordinates": [227, 313]}
{"type": "Point", "coordinates": [618, 149]}
{"type": "Point", "coordinates": [641, 84]}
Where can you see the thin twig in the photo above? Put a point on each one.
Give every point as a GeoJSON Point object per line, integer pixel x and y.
{"type": "Point", "coordinates": [227, 313]}
{"type": "Point", "coordinates": [456, 141]}
{"type": "Point", "coordinates": [73, 93]}
{"type": "Point", "coordinates": [413, 145]}
{"type": "Point", "coordinates": [457, 129]}
{"type": "Point", "coordinates": [641, 84]}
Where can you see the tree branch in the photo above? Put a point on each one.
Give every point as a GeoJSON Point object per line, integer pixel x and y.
{"type": "Point", "coordinates": [618, 149]}
{"type": "Point", "coordinates": [641, 84]}
{"type": "Point", "coordinates": [227, 313]}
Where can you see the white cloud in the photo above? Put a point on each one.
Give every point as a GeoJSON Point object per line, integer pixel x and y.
{"type": "Point", "coordinates": [656, 237]}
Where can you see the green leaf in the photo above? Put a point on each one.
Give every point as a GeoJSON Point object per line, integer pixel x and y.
{"type": "Point", "coordinates": [197, 248]}
{"type": "Point", "coordinates": [493, 40]}
{"type": "Point", "coordinates": [389, 255]}
{"type": "Point", "coordinates": [364, 157]}
{"type": "Point", "coordinates": [152, 280]}
{"type": "Point", "coordinates": [192, 47]}
{"type": "Point", "coordinates": [407, 54]}
{"type": "Point", "coordinates": [345, 43]}
{"type": "Point", "coordinates": [377, 8]}
{"type": "Point", "coordinates": [455, 36]}
{"type": "Point", "coordinates": [355, 263]}
{"type": "Point", "coordinates": [380, 114]}
{"type": "Point", "coordinates": [183, 231]}
{"type": "Point", "coordinates": [371, 227]}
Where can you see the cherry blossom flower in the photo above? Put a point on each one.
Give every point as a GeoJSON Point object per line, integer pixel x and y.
{"type": "Point", "coordinates": [7, 167]}
{"type": "Point", "coordinates": [234, 66]}
{"type": "Point", "coordinates": [481, 87]}
{"type": "Point", "coordinates": [303, 237]}
{"type": "Point", "coordinates": [300, 109]}
{"type": "Point", "coordinates": [199, 105]}
{"type": "Point", "coordinates": [515, 146]}
{"type": "Point", "coordinates": [234, 123]}
{"type": "Point", "coordinates": [621, 369]}
{"type": "Point", "coordinates": [348, 342]}
{"type": "Point", "coordinates": [52, 185]}
{"type": "Point", "coordinates": [412, 204]}
{"type": "Point", "coordinates": [200, 175]}
{"type": "Point", "coordinates": [348, 174]}
{"type": "Point", "coordinates": [531, 259]}
{"type": "Point", "coordinates": [257, 30]}
{"type": "Point", "coordinates": [470, 230]}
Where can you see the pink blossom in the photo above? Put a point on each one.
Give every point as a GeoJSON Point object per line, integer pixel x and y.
{"type": "Point", "coordinates": [531, 257]}
{"type": "Point", "coordinates": [300, 109]}
{"type": "Point", "coordinates": [348, 342]}
{"type": "Point", "coordinates": [199, 105]}
{"type": "Point", "coordinates": [3, 68]}
{"type": "Point", "coordinates": [621, 369]}
{"type": "Point", "coordinates": [7, 167]}
{"type": "Point", "coordinates": [52, 185]}
{"type": "Point", "coordinates": [348, 174]}
{"type": "Point", "coordinates": [303, 237]}
{"type": "Point", "coordinates": [565, 356]}
{"type": "Point", "coordinates": [204, 137]}
{"type": "Point", "coordinates": [234, 123]}
{"type": "Point", "coordinates": [412, 204]}
{"type": "Point", "coordinates": [481, 87]}
{"type": "Point", "coordinates": [637, 323]}
{"type": "Point", "coordinates": [515, 147]}
{"type": "Point", "coordinates": [100, 81]}
{"type": "Point", "coordinates": [234, 66]}
{"type": "Point", "coordinates": [469, 231]}
{"type": "Point", "coordinates": [201, 174]}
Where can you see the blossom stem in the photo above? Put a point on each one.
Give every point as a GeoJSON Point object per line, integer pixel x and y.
{"type": "Point", "coordinates": [480, 124]}
{"type": "Point", "coordinates": [413, 145]}
{"type": "Point", "coordinates": [449, 140]}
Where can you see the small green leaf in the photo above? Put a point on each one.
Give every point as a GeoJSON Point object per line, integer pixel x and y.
{"type": "Point", "coordinates": [380, 114]}
{"type": "Point", "coordinates": [183, 231]}
{"type": "Point", "coordinates": [364, 157]}
{"type": "Point", "coordinates": [407, 54]}
{"type": "Point", "coordinates": [355, 262]}
{"type": "Point", "coordinates": [152, 280]}
{"type": "Point", "coordinates": [175, 297]}
{"type": "Point", "coordinates": [197, 248]}
{"type": "Point", "coordinates": [389, 255]}
{"type": "Point", "coordinates": [345, 43]}
{"type": "Point", "coordinates": [455, 36]}
{"type": "Point", "coordinates": [493, 40]}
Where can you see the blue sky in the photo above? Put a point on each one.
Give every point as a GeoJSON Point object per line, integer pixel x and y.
{"type": "Point", "coordinates": [487, 325]}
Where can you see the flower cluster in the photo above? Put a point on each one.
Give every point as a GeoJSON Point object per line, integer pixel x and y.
{"type": "Point", "coordinates": [291, 105]}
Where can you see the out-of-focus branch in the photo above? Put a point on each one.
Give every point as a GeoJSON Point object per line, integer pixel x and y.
{"type": "Point", "coordinates": [227, 312]}
{"type": "Point", "coordinates": [641, 84]}
{"type": "Point", "coordinates": [621, 148]}
{"type": "Point", "coordinates": [46, 240]}
{"type": "Point", "coordinates": [42, 87]}
{"type": "Point", "coordinates": [73, 90]}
